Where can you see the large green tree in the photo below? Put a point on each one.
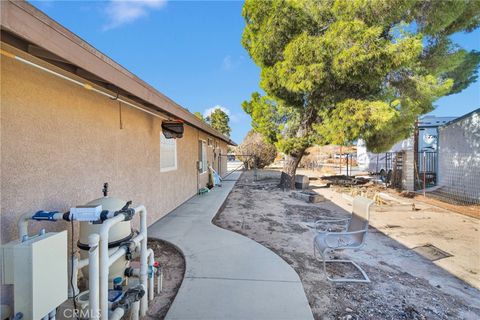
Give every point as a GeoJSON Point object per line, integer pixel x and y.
{"type": "Point", "coordinates": [334, 71]}
{"type": "Point", "coordinates": [219, 121]}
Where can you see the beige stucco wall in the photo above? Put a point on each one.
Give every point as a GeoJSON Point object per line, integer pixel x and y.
{"type": "Point", "coordinates": [60, 143]}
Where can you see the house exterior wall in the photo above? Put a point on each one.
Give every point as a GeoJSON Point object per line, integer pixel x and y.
{"type": "Point", "coordinates": [215, 150]}
{"type": "Point", "coordinates": [459, 158]}
{"type": "Point", "coordinates": [60, 143]}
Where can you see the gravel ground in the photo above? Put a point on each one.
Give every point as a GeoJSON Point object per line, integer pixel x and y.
{"type": "Point", "coordinates": [264, 213]}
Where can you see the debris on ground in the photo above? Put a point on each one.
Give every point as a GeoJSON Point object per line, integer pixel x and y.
{"type": "Point", "coordinates": [342, 180]}
{"type": "Point", "coordinates": [369, 189]}
{"type": "Point", "coordinates": [263, 212]}
{"type": "Point", "coordinates": [308, 196]}
{"type": "Point", "coordinates": [407, 194]}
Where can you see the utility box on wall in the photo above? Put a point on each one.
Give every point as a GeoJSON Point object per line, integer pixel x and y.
{"type": "Point", "coordinates": [37, 268]}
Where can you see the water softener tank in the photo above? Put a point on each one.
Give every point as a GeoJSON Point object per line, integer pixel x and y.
{"type": "Point", "coordinates": [119, 233]}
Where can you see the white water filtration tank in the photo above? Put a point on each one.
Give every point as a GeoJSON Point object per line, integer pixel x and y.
{"type": "Point", "coordinates": [119, 233]}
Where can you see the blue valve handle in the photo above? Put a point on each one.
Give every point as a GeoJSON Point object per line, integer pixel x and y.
{"type": "Point", "coordinates": [44, 215]}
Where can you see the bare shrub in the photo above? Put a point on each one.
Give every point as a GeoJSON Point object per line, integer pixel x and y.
{"type": "Point", "coordinates": [255, 151]}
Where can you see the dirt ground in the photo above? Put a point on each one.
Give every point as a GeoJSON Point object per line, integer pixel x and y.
{"type": "Point", "coordinates": [404, 284]}
{"type": "Point", "coordinates": [432, 228]}
{"type": "Point", "coordinates": [454, 238]}
{"type": "Point", "coordinates": [470, 210]}
{"type": "Point", "coordinates": [173, 266]}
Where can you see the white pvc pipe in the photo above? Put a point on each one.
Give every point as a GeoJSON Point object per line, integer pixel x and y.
{"type": "Point", "coordinates": [104, 265]}
{"type": "Point", "coordinates": [138, 240]}
{"type": "Point", "coordinates": [82, 263]}
{"type": "Point", "coordinates": [159, 280]}
{"type": "Point", "coordinates": [135, 310]}
{"type": "Point", "coordinates": [120, 252]}
{"type": "Point", "coordinates": [136, 272]}
{"type": "Point", "coordinates": [151, 260]}
{"type": "Point", "coordinates": [117, 314]}
{"type": "Point", "coordinates": [105, 259]}
{"type": "Point", "coordinates": [143, 258]}
{"type": "Point", "coordinates": [93, 276]}
{"type": "Point", "coordinates": [81, 84]}
{"type": "Point", "coordinates": [23, 222]}
{"type": "Point", "coordinates": [116, 255]}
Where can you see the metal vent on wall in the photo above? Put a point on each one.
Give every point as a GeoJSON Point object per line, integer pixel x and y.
{"type": "Point", "coordinates": [172, 129]}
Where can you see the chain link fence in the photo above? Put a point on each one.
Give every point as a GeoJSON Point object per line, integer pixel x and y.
{"type": "Point", "coordinates": [458, 179]}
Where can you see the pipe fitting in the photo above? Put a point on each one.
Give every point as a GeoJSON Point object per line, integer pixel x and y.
{"type": "Point", "coordinates": [132, 272]}
{"type": "Point", "coordinates": [129, 297]}
{"type": "Point", "coordinates": [128, 212]}
{"type": "Point", "coordinates": [128, 272]}
{"type": "Point", "coordinates": [45, 215]}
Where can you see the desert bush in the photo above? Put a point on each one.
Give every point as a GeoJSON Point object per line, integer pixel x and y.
{"type": "Point", "coordinates": [261, 153]}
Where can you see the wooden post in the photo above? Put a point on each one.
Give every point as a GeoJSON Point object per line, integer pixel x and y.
{"type": "Point", "coordinates": [347, 164]}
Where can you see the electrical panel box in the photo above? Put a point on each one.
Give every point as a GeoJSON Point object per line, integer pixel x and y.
{"type": "Point", "coordinates": [37, 268]}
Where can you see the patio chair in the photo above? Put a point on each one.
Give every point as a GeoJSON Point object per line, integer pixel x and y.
{"type": "Point", "coordinates": [351, 237]}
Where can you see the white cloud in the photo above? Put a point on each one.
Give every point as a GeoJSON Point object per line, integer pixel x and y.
{"type": "Point", "coordinates": [234, 117]}
{"type": "Point", "coordinates": [232, 62]}
{"type": "Point", "coordinates": [120, 12]}
{"type": "Point", "coordinates": [227, 63]}
{"type": "Point", "coordinates": [209, 111]}
{"type": "Point", "coordinates": [237, 117]}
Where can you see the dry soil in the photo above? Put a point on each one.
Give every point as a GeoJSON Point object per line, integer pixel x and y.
{"type": "Point", "coordinates": [404, 285]}
{"type": "Point", "coordinates": [173, 267]}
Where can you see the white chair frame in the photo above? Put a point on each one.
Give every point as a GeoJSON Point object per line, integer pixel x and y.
{"type": "Point", "coordinates": [340, 240]}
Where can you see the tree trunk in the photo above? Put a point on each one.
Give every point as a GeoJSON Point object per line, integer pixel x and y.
{"type": "Point", "coordinates": [287, 180]}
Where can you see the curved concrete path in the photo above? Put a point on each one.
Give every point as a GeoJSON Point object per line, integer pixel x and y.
{"type": "Point", "coordinates": [227, 276]}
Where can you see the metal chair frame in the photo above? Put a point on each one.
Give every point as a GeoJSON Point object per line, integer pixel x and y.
{"type": "Point", "coordinates": [336, 240]}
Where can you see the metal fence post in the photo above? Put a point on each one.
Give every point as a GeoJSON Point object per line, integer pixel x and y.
{"type": "Point", "coordinates": [424, 172]}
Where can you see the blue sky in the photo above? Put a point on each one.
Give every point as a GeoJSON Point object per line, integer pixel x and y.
{"type": "Point", "coordinates": [191, 51]}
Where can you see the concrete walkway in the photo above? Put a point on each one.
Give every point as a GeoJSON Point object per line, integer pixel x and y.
{"type": "Point", "coordinates": [227, 276]}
